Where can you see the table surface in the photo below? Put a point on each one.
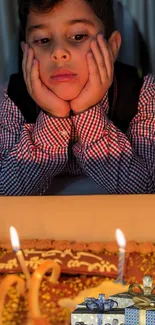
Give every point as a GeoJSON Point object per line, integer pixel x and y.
{"type": "Point", "coordinates": [85, 218]}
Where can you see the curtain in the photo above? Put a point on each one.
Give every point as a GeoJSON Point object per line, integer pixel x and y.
{"type": "Point", "coordinates": [8, 39]}
{"type": "Point", "coordinates": [143, 11]}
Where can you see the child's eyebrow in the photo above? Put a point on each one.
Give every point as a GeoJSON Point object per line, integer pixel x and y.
{"type": "Point", "coordinates": [39, 26]}
{"type": "Point", "coordinates": [83, 21]}
{"type": "Point", "coordinates": [69, 22]}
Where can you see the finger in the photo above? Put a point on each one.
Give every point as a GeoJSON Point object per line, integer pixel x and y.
{"type": "Point", "coordinates": [99, 60]}
{"type": "Point", "coordinates": [22, 44]}
{"type": "Point", "coordinates": [25, 53]}
{"type": "Point", "coordinates": [94, 75]}
{"type": "Point", "coordinates": [106, 52]}
{"type": "Point", "coordinates": [35, 78]}
{"type": "Point", "coordinates": [29, 64]}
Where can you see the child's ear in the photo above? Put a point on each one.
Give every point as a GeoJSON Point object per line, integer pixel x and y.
{"type": "Point", "coordinates": [115, 43]}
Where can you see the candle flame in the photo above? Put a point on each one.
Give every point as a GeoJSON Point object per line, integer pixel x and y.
{"type": "Point", "coordinates": [14, 239]}
{"type": "Point", "coordinates": [121, 241]}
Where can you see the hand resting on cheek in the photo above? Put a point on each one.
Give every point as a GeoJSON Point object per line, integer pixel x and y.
{"type": "Point", "coordinates": [42, 95]}
{"type": "Point", "coordinates": [101, 68]}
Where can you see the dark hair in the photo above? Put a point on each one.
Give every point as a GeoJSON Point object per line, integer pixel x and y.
{"type": "Point", "coordinates": [102, 8]}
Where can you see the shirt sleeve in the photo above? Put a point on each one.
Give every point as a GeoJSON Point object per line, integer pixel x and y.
{"type": "Point", "coordinates": [30, 154]}
{"type": "Point", "coordinates": [120, 163]}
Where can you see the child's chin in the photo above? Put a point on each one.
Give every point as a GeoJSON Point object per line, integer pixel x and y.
{"type": "Point", "coordinates": [67, 97]}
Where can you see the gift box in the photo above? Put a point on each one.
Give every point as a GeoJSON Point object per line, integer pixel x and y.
{"type": "Point", "coordinates": [141, 313]}
{"type": "Point", "coordinates": [125, 299]}
{"type": "Point", "coordinates": [98, 312]}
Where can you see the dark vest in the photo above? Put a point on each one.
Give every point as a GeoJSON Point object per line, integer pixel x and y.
{"type": "Point", "coordinates": [123, 96]}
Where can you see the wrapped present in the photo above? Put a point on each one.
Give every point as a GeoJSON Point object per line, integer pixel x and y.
{"type": "Point", "coordinates": [125, 299]}
{"type": "Point", "coordinates": [141, 313]}
{"type": "Point", "coordinates": [97, 312]}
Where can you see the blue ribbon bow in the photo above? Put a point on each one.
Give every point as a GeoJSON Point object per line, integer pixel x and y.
{"type": "Point", "coordinates": [100, 304]}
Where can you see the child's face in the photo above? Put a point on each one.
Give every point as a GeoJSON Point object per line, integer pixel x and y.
{"type": "Point", "coordinates": [61, 43]}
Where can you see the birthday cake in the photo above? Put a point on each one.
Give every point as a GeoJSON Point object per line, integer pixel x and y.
{"type": "Point", "coordinates": [83, 266]}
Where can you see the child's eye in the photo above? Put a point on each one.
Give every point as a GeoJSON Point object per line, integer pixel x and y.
{"type": "Point", "coordinates": [42, 41]}
{"type": "Point", "coordinates": [79, 37]}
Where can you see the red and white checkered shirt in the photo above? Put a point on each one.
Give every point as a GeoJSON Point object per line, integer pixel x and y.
{"type": "Point", "coordinates": [85, 144]}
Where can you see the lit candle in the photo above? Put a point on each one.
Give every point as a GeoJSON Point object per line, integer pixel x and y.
{"type": "Point", "coordinates": [16, 248]}
{"type": "Point", "coordinates": [121, 241]}
{"type": "Point", "coordinates": [5, 285]}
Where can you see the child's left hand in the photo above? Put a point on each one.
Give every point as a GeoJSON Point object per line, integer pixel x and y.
{"type": "Point", "coordinates": [101, 68]}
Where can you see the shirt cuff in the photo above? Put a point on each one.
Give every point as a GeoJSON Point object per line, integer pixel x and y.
{"type": "Point", "coordinates": [90, 124]}
{"type": "Point", "coordinates": [52, 131]}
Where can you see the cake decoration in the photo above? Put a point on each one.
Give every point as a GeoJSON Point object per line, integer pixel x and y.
{"type": "Point", "coordinates": [71, 262]}
{"type": "Point", "coordinates": [5, 285]}
{"type": "Point", "coordinates": [35, 282]}
{"type": "Point", "coordinates": [109, 288]}
{"type": "Point", "coordinates": [111, 246]}
{"type": "Point", "coordinates": [86, 266]}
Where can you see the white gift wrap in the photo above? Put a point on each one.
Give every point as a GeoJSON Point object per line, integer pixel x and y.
{"type": "Point", "coordinates": [85, 317]}
{"type": "Point", "coordinates": [124, 299]}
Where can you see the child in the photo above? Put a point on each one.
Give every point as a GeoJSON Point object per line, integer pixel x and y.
{"type": "Point", "coordinates": [61, 132]}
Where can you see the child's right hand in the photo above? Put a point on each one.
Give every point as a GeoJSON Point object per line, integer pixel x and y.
{"type": "Point", "coordinates": [43, 96]}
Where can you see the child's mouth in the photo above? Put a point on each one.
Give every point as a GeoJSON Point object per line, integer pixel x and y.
{"type": "Point", "coordinates": [63, 77]}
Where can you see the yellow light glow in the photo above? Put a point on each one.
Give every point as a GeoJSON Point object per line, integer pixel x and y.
{"type": "Point", "coordinates": [121, 241]}
{"type": "Point", "coordinates": [14, 239]}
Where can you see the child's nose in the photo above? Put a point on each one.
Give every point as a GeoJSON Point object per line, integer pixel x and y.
{"type": "Point", "coordinates": [60, 53]}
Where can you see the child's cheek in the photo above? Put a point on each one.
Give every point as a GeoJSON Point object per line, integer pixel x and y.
{"type": "Point", "coordinates": [35, 51]}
